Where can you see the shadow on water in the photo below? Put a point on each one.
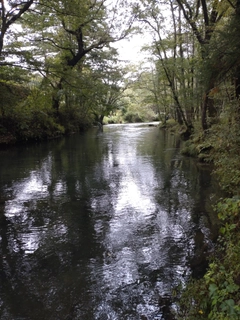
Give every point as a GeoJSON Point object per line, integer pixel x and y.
{"type": "Point", "coordinates": [101, 225]}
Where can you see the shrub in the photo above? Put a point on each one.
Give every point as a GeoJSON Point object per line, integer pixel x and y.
{"type": "Point", "coordinates": [132, 117]}
{"type": "Point", "coordinates": [217, 295]}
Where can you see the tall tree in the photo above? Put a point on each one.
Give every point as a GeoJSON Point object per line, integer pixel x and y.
{"type": "Point", "coordinates": [203, 17]}
{"type": "Point", "coordinates": [165, 48]}
{"type": "Point", "coordinates": [68, 31]}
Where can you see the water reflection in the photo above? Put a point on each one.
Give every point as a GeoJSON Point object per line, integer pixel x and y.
{"type": "Point", "coordinates": [100, 225]}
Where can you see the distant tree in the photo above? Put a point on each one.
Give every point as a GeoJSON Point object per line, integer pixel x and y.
{"type": "Point", "coordinates": [165, 45]}
{"type": "Point", "coordinates": [98, 88]}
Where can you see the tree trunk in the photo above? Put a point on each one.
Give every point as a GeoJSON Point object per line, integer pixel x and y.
{"type": "Point", "coordinates": [210, 19]}
{"type": "Point", "coordinates": [208, 109]}
{"type": "Point", "coordinates": [56, 96]}
{"type": "Point", "coordinates": [237, 82]}
{"type": "Point", "coordinates": [179, 118]}
{"type": "Point", "coordinates": [100, 119]}
{"type": "Point", "coordinates": [204, 114]}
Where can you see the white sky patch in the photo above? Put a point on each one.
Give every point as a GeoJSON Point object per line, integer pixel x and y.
{"type": "Point", "coordinates": [130, 50]}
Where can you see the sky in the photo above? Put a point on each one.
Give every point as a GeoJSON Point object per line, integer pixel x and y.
{"type": "Point", "coordinates": [131, 49]}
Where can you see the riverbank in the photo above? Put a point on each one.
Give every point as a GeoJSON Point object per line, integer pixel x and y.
{"type": "Point", "coordinates": [31, 132]}
{"type": "Point", "coordinates": [216, 296]}
{"type": "Point", "coordinates": [39, 127]}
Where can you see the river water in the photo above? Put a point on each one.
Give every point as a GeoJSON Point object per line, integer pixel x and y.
{"type": "Point", "coordinates": [101, 225]}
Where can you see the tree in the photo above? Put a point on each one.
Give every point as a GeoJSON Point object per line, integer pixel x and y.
{"type": "Point", "coordinates": [102, 85]}
{"type": "Point", "coordinates": [68, 31]}
{"type": "Point", "coordinates": [56, 43]}
{"type": "Point", "coordinates": [203, 18]}
{"type": "Point", "coordinates": [11, 13]}
{"type": "Point", "coordinates": [150, 89]}
{"type": "Point", "coordinates": [164, 48]}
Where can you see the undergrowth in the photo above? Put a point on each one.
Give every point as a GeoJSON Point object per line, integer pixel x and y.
{"type": "Point", "coordinates": [217, 295]}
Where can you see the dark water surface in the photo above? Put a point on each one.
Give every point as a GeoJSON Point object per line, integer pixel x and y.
{"type": "Point", "coordinates": [101, 225]}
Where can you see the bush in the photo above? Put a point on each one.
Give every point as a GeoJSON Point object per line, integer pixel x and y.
{"type": "Point", "coordinates": [225, 139]}
{"type": "Point", "coordinates": [132, 117]}
{"type": "Point", "coordinates": [30, 119]}
{"type": "Point", "coordinates": [217, 295]}
{"type": "Point", "coordinates": [73, 120]}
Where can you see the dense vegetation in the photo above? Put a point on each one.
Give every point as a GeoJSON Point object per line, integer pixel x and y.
{"type": "Point", "coordinates": [60, 72]}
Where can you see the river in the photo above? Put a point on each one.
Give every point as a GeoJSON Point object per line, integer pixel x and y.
{"type": "Point", "coordinates": [101, 225]}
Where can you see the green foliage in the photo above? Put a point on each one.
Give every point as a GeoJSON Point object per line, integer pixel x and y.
{"type": "Point", "coordinates": [10, 95]}
{"type": "Point", "coordinates": [35, 119]}
{"type": "Point", "coordinates": [30, 119]}
{"type": "Point", "coordinates": [134, 105]}
{"type": "Point", "coordinates": [217, 295]}
{"type": "Point", "coordinates": [223, 292]}
{"type": "Point", "coordinates": [73, 119]}
{"type": "Point", "coordinates": [171, 125]}
{"type": "Point", "coordinates": [193, 303]}
{"type": "Point", "coordinates": [65, 48]}
{"type": "Point", "coordinates": [114, 118]}
{"type": "Point", "coordinates": [198, 147]}
{"type": "Point", "coordinates": [229, 211]}
{"type": "Point", "coordinates": [225, 140]}
{"type": "Point", "coordinates": [189, 149]}
{"type": "Point", "coordinates": [132, 117]}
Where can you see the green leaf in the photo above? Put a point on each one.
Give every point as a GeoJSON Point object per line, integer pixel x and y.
{"type": "Point", "coordinates": [212, 288]}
